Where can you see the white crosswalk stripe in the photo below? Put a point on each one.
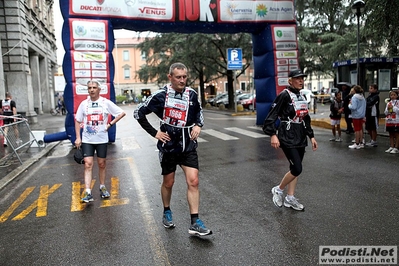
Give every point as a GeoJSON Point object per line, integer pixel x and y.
{"type": "Point", "coordinates": [246, 132]}
{"type": "Point", "coordinates": [218, 134]}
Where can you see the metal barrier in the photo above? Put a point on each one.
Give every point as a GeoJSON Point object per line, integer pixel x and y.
{"type": "Point", "coordinates": [15, 138]}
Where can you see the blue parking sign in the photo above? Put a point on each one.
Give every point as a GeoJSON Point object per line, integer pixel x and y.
{"type": "Point", "coordinates": [234, 58]}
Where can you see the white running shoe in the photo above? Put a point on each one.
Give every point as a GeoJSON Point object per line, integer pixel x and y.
{"type": "Point", "coordinates": [354, 146]}
{"type": "Point", "coordinates": [394, 150]}
{"type": "Point", "coordinates": [389, 150]}
{"type": "Point", "coordinates": [277, 197]}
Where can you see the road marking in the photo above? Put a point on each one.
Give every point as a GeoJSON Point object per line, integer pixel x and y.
{"type": "Point", "coordinates": [40, 204]}
{"type": "Point", "coordinates": [218, 134]}
{"type": "Point", "coordinates": [157, 247]}
{"type": "Point", "coordinates": [78, 193]}
{"type": "Point", "coordinates": [246, 132]}
{"type": "Point", "coordinates": [16, 204]}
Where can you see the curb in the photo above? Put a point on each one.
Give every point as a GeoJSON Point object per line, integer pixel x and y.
{"type": "Point", "coordinates": [20, 169]}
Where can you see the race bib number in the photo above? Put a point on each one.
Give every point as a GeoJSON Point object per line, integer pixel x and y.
{"type": "Point", "coordinates": [175, 114]}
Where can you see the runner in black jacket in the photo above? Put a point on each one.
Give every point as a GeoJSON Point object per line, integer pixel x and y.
{"type": "Point", "coordinates": [294, 128]}
{"type": "Point", "coordinates": [180, 112]}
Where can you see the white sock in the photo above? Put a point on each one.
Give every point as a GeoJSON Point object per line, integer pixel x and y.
{"type": "Point", "coordinates": [290, 197]}
{"type": "Point", "coordinates": [101, 186]}
{"type": "Point", "coordinates": [279, 190]}
{"type": "Point", "coordinates": [88, 190]}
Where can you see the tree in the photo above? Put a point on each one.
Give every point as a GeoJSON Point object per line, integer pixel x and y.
{"type": "Point", "coordinates": [381, 27]}
{"type": "Point", "coordinates": [325, 34]}
{"type": "Point", "coordinates": [203, 54]}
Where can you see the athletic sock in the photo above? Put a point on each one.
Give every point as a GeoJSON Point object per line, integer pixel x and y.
{"type": "Point", "coordinates": [194, 218]}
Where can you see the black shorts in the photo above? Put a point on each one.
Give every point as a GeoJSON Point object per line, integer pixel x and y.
{"type": "Point", "coordinates": [100, 149]}
{"type": "Point", "coordinates": [7, 121]}
{"type": "Point", "coordinates": [170, 160]}
{"type": "Point", "coordinates": [371, 123]}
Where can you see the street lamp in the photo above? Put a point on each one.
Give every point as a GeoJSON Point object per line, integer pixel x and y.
{"type": "Point", "coordinates": [358, 9]}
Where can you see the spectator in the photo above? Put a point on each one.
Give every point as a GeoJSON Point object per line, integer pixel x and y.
{"type": "Point", "coordinates": [337, 109]}
{"type": "Point", "coordinates": [8, 107]}
{"type": "Point", "coordinates": [372, 114]}
{"type": "Point", "coordinates": [357, 106]}
{"type": "Point", "coordinates": [392, 122]}
{"type": "Point", "coordinates": [346, 96]}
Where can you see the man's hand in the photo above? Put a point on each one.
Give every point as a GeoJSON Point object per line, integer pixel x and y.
{"type": "Point", "coordinates": [195, 132]}
{"type": "Point", "coordinates": [162, 136]}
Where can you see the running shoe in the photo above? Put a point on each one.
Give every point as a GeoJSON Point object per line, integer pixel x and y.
{"type": "Point", "coordinates": [372, 143]}
{"type": "Point", "coordinates": [332, 139]}
{"type": "Point", "coordinates": [354, 146]}
{"type": "Point", "coordinates": [167, 219]}
{"type": "Point", "coordinates": [338, 140]}
{"type": "Point", "coordinates": [394, 150]}
{"type": "Point", "coordinates": [389, 150]}
{"type": "Point", "coordinates": [277, 197]}
{"type": "Point", "coordinates": [104, 193]}
{"type": "Point", "coordinates": [293, 203]}
{"type": "Point", "coordinates": [87, 197]}
{"type": "Point", "coordinates": [199, 229]}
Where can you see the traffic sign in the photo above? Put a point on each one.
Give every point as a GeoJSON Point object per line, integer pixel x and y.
{"type": "Point", "coordinates": [234, 58]}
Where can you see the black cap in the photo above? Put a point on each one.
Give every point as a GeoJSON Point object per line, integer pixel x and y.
{"type": "Point", "coordinates": [296, 74]}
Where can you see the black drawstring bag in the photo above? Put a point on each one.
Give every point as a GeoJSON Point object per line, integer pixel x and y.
{"type": "Point", "coordinates": [78, 156]}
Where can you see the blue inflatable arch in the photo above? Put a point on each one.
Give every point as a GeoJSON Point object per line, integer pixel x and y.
{"type": "Point", "coordinates": [88, 40]}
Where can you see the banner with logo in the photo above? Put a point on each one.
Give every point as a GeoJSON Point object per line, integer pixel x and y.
{"type": "Point", "coordinates": [88, 40]}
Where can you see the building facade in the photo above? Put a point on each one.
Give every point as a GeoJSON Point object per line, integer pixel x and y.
{"type": "Point", "coordinates": [128, 59]}
{"type": "Point", "coordinates": [28, 49]}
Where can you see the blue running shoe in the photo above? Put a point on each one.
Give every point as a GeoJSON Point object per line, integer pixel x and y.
{"type": "Point", "coordinates": [167, 219]}
{"type": "Point", "coordinates": [87, 197]}
{"type": "Point", "coordinates": [199, 229]}
{"type": "Point", "coordinates": [104, 193]}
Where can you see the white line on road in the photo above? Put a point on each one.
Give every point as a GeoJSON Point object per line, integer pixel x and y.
{"type": "Point", "coordinates": [246, 132]}
{"type": "Point", "coordinates": [218, 134]}
{"type": "Point", "coordinates": [157, 247]}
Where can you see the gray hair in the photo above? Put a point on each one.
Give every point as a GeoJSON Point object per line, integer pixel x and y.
{"type": "Point", "coordinates": [178, 66]}
{"type": "Point", "coordinates": [94, 81]}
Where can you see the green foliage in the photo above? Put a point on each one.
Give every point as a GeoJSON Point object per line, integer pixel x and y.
{"type": "Point", "coordinates": [120, 98]}
{"type": "Point", "coordinates": [203, 54]}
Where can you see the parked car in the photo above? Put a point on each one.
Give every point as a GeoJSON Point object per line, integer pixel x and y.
{"type": "Point", "coordinates": [225, 99]}
{"type": "Point", "coordinates": [216, 98]}
{"type": "Point", "coordinates": [248, 102]}
{"type": "Point", "coordinates": [309, 96]}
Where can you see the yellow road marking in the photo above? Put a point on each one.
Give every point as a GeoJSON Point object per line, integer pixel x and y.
{"type": "Point", "coordinates": [40, 203]}
{"type": "Point", "coordinates": [15, 204]}
{"type": "Point", "coordinates": [114, 200]}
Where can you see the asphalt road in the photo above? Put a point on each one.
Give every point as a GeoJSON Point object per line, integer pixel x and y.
{"type": "Point", "coordinates": [350, 197]}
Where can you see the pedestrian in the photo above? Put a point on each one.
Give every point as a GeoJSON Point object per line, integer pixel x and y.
{"type": "Point", "coordinates": [336, 111]}
{"type": "Point", "coordinates": [294, 128]}
{"type": "Point", "coordinates": [392, 122]}
{"type": "Point", "coordinates": [8, 107]}
{"type": "Point", "coordinates": [93, 114]}
{"type": "Point", "coordinates": [372, 114]}
{"type": "Point", "coordinates": [180, 112]}
{"type": "Point", "coordinates": [346, 97]}
{"type": "Point", "coordinates": [357, 106]}
{"type": "Point", "coordinates": [322, 92]}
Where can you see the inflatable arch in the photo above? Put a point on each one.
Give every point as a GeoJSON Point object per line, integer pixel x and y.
{"type": "Point", "coordinates": [88, 41]}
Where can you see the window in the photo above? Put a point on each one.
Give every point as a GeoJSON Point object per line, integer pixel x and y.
{"type": "Point", "coordinates": [125, 55]}
{"type": "Point", "coordinates": [243, 85]}
{"type": "Point", "coordinates": [126, 73]}
{"type": "Point", "coordinates": [143, 55]}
